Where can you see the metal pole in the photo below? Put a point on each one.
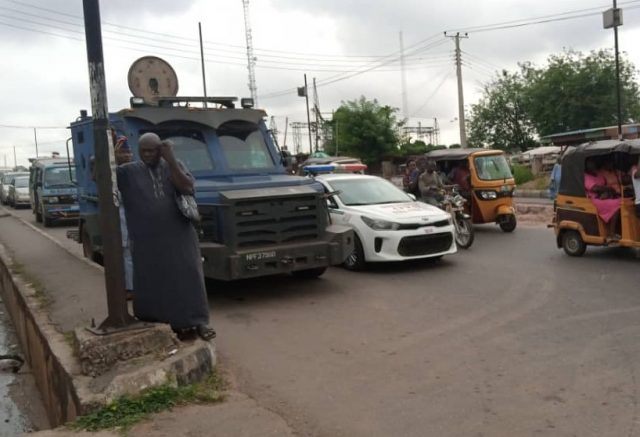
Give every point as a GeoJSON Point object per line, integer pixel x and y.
{"type": "Point", "coordinates": [316, 110]}
{"type": "Point", "coordinates": [118, 315]}
{"type": "Point", "coordinates": [618, 93]}
{"type": "Point", "coordinates": [204, 79]}
{"type": "Point", "coordinates": [286, 127]}
{"type": "Point", "coordinates": [306, 97]}
{"type": "Point", "coordinates": [15, 158]}
{"type": "Point", "coordinates": [403, 73]}
{"type": "Point", "coordinates": [35, 138]}
{"type": "Point", "coordinates": [463, 129]}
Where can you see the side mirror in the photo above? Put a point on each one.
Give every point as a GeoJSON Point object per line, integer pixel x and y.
{"type": "Point", "coordinates": [412, 196]}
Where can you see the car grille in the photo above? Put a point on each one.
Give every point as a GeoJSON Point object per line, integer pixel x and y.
{"type": "Point", "coordinates": [425, 244]}
{"type": "Point", "coordinates": [208, 226]}
{"type": "Point", "coordinates": [408, 226]}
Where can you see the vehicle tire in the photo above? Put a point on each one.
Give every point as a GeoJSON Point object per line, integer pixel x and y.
{"type": "Point", "coordinates": [573, 244]}
{"type": "Point", "coordinates": [38, 215]}
{"type": "Point", "coordinates": [47, 222]}
{"type": "Point", "coordinates": [309, 273]}
{"type": "Point", "coordinates": [509, 225]}
{"type": "Point", "coordinates": [355, 261]}
{"type": "Point", "coordinates": [464, 233]}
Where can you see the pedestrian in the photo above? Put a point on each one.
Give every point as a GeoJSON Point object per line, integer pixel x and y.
{"type": "Point", "coordinates": [123, 155]}
{"type": "Point", "coordinates": [410, 179]}
{"type": "Point", "coordinates": [167, 268]}
{"type": "Point", "coordinates": [554, 179]}
{"type": "Point", "coordinates": [431, 184]}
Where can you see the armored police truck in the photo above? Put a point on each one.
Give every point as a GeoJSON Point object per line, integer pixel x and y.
{"type": "Point", "coordinates": [256, 219]}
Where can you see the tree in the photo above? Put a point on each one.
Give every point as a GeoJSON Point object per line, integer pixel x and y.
{"type": "Point", "coordinates": [575, 91]}
{"type": "Point", "coordinates": [499, 120]}
{"type": "Point", "coordinates": [418, 147]}
{"type": "Point", "coordinates": [364, 129]}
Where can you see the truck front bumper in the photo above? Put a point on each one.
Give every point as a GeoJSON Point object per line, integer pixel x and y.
{"type": "Point", "coordinates": [224, 264]}
{"type": "Point", "coordinates": [58, 211]}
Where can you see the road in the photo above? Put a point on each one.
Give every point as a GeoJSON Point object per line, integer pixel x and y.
{"type": "Point", "coordinates": [509, 338]}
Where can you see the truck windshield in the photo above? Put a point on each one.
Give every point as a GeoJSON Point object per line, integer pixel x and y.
{"type": "Point", "coordinates": [192, 151]}
{"type": "Point", "coordinates": [493, 167]}
{"type": "Point", "coordinates": [22, 182]}
{"type": "Point", "coordinates": [59, 177]}
{"type": "Point", "coordinates": [244, 147]}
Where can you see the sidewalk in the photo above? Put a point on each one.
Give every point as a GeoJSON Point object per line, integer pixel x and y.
{"type": "Point", "coordinates": [69, 292]}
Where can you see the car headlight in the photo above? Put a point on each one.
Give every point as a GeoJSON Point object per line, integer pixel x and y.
{"type": "Point", "coordinates": [380, 225]}
{"type": "Point", "coordinates": [53, 199]}
{"type": "Point", "coordinates": [488, 194]}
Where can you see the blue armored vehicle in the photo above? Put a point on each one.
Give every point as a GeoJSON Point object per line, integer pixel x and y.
{"type": "Point", "coordinates": [256, 219]}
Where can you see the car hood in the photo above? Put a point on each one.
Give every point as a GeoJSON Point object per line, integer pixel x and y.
{"type": "Point", "coordinates": [401, 212]}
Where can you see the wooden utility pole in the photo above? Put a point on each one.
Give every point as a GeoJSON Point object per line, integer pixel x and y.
{"type": "Point", "coordinates": [458, 59]}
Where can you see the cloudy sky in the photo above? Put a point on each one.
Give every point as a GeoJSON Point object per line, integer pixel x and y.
{"type": "Point", "coordinates": [350, 46]}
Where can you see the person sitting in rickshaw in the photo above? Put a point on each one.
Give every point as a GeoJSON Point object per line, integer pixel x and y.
{"type": "Point", "coordinates": [604, 198]}
{"type": "Point", "coordinates": [431, 184]}
{"type": "Point", "coordinates": [611, 176]}
{"type": "Point", "coordinates": [635, 179]}
{"type": "Point", "coordinates": [460, 176]}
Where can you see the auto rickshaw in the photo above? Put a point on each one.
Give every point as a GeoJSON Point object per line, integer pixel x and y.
{"type": "Point", "coordinates": [489, 187]}
{"type": "Point", "coordinates": [576, 221]}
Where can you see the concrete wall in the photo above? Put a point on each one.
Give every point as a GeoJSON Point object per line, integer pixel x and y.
{"type": "Point", "coordinates": [36, 335]}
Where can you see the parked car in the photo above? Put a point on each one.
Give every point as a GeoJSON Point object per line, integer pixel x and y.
{"type": "Point", "coordinates": [19, 191]}
{"type": "Point", "coordinates": [389, 224]}
{"type": "Point", "coordinates": [5, 181]}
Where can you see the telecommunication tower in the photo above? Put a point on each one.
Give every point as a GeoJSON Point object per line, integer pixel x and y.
{"type": "Point", "coordinates": [250, 56]}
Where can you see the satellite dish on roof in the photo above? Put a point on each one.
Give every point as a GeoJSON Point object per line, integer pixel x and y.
{"type": "Point", "coordinates": [151, 77]}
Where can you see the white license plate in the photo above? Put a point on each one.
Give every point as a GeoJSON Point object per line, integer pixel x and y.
{"type": "Point", "coordinates": [260, 255]}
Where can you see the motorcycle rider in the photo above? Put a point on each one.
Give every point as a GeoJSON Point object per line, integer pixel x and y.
{"type": "Point", "coordinates": [431, 184]}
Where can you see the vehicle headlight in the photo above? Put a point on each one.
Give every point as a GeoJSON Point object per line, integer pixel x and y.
{"type": "Point", "coordinates": [380, 225]}
{"type": "Point", "coordinates": [488, 194]}
{"type": "Point", "coordinates": [53, 199]}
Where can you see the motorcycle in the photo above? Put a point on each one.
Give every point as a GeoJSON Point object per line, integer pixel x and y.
{"type": "Point", "coordinates": [453, 202]}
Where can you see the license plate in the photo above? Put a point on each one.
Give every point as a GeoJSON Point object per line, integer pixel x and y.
{"type": "Point", "coordinates": [260, 255]}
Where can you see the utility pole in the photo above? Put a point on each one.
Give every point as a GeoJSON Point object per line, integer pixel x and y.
{"type": "Point", "coordinates": [458, 58]}
{"type": "Point", "coordinates": [35, 139]}
{"type": "Point", "coordinates": [405, 101]}
{"type": "Point", "coordinates": [613, 18]}
{"type": "Point", "coordinates": [251, 59]}
{"type": "Point", "coordinates": [306, 96]}
{"type": "Point", "coordinates": [15, 158]}
{"type": "Point", "coordinates": [316, 110]}
{"type": "Point", "coordinates": [286, 127]}
{"type": "Point", "coordinates": [118, 314]}
{"type": "Point", "coordinates": [204, 78]}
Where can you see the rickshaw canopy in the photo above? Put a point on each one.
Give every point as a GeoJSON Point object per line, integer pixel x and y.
{"type": "Point", "coordinates": [573, 162]}
{"type": "Point", "coordinates": [455, 154]}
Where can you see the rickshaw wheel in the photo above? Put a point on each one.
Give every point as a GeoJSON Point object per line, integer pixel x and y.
{"type": "Point", "coordinates": [509, 225]}
{"type": "Point", "coordinates": [573, 244]}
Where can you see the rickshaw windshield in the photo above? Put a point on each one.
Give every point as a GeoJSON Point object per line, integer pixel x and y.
{"type": "Point", "coordinates": [492, 167]}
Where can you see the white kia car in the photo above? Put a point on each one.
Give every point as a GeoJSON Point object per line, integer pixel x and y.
{"type": "Point", "coordinates": [389, 224]}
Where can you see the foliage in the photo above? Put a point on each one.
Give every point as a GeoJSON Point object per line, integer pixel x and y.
{"type": "Point", "coordinates": [364, 129]}
{"type": "Point", "coordinates": [573, 91]}
{"type": "Point", "coordinates": [126, 411]}
{"type": "Point", "coordinates": [499, 119]}
{"type": "Point", "coordinates": [455, 146]}
{"type": "Point", "coordinates": [521, 174]}
{"type": "Point", "coordinates": [418, 147]}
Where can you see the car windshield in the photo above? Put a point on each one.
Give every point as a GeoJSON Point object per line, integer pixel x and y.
{"type": "Point", "coordinates": [368, 191]}
{"type": "Point", "coordinates": [59, 177]}
{"type": "Point", "coordinates": [244, 147]}
{"type": "Point", "coordinates": [493, 167]}
{"type": "Point", "coordinates": [192, 151]}
{"type": "Point", "coordinates": [22, 182]}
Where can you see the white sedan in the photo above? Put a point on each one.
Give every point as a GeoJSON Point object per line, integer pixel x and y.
{"type": "Point", "coordinates": [389, 224]}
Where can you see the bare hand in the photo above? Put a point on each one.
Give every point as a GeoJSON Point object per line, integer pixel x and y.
{"type": "Point", "coordinates": [166, 151]}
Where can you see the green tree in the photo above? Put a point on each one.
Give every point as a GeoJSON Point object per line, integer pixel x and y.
{"type": "Point", "coordinates": [577, 91]}
{"type": "Point", "coordinates": [418, 147]}
{"type": "Point", "coordinates": [500, 120]}
{"type": "Point", "coordinates": [364, 129]}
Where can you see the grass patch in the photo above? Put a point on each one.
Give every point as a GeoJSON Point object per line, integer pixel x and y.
{"type": "Point", "coordinates": [126, 411]}
{"type": "Point", "coordinates": [39, 289]}
{"type": "Point", "coordinates": [522, 174]}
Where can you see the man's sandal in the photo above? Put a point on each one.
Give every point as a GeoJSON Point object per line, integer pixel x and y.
{"type": "Point", "coordinates": [205, 332]}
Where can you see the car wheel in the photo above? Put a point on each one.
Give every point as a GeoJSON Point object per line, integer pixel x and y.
{"type": "Point", "coordinates": [355, 260]}
{"type": "Point", "coordinates": [38, 215]}
{"type": "Point", "coordinates": [509, 225]}
{"type": "Point", "coordinates": [309, 273]}
{"type": "Point", "coordinates": [47, 221]}
{"type": "Point", "coordinates": [573, 244]}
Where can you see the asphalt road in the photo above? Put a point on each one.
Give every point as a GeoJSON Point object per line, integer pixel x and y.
{"type": "Point", "coordinates": [509, 338]}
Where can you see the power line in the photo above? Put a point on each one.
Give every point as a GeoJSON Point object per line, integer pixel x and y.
{"type": "Point", "coordinates": [17, 126]}
{"type": "Point", "coordinates": [433, 93]}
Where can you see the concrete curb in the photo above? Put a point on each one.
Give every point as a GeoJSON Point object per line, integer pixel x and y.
{"type": "Point", "coordinates": [65, 391]}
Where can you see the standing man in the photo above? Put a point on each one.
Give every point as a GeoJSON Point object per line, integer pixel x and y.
{"type": "Point", "coordinates": [410, 180]}
{"type": "Point", "coordinates": [167, 267]}
{"type": "Point", "coordinates": [554, 179]}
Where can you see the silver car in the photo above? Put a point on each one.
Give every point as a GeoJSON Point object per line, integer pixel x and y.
{"type": "Point", "coordinates": [5, 181]}
{"type": "Point", "coordinates": [19, 191]}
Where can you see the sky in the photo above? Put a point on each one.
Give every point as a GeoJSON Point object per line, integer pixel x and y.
{"type": "Point", "coordinates": [351, 48]}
